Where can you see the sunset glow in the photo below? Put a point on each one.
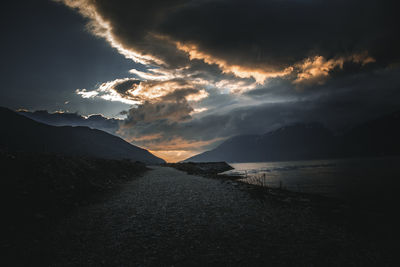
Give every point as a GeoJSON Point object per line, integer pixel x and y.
{"type": "Point", "coordinates": [200, 132]}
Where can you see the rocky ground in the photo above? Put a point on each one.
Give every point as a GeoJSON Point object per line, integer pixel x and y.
{"type": "Point", "coordinates": [170, 218]}
{"type": "Point", "coordinates": [38, 191]}
{"type": "Point", "coordinates": [201, 168]}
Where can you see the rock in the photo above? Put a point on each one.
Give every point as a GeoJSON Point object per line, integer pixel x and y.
{"type": "Point", "coordinates": [212, 168]}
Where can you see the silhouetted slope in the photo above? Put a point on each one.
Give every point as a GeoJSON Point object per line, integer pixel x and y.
{"type": "Point", "coordinates": [97, 121]}
{"type": "Point", "coordinates": [19, 133]}
{"type": "Point", "coordinates": [295, 142]}
{"type": "Point", "coordinates": [379, 137]}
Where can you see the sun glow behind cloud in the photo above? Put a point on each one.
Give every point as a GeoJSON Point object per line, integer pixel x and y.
{"type": "Point", "coordinates": [178, 75]}
{"type": "Point", "coordinates": [135, 92]}
{"type": "Point", "coordinates": [102, 28]}
{"type": "Point", "coordinates": [173, 149]}
{"type": "Point", "coordinates": [317, 69]}
{"type": "Point", "coordinates": [259, 74]}
{"type": "Point", "coordinates": [178, 149]}
{"type": "Point", "coordinates": [153, 74]}
{"type": "Point", "coordinates": [173, 155]}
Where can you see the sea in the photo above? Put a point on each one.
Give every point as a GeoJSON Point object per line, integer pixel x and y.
{"type": "Point", "coordinates": [355, 178]}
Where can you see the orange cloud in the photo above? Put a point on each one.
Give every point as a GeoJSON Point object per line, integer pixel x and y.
{"type": "Point", "coordinates": [172, 149]}
{"type": "Point", "coordinates": [310, 71]}
{"type": "Point", "coordinates": [259, 74]}
{"type": "Point", "coordinates": [142, 138]}
{"type": "Point", "coordinates": [173, 155]}
{"type": "Point", "coordinates": [136, 92]}
{"type": "Point", "coordinates": [316, 69]}
{"type": "Point", "coordinates": [102, 28]}
{"type": "Point", "coordinates": [179, 143]}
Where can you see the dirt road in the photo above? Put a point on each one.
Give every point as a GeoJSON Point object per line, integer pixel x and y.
{"type": "Point", "coordinates": [169, 218]}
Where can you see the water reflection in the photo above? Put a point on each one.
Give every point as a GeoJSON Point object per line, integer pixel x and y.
{"type": "Point", "coordinates": [344, 178]}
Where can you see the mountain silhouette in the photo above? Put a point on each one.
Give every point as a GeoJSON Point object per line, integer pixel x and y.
{"type": "Point", "coordinates": [96, 121]}
{"type": "Point", "coordinates": [22, 134]}
{"type": "Point", "coordinates": [294, 142]}
{"type": "Point", "coordinates": [378, 137]}
{"type": "Point", "coordinates": [305, 141]}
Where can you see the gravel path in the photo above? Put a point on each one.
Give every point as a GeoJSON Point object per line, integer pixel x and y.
{"type": "Point", "coordinates": [169, 218]}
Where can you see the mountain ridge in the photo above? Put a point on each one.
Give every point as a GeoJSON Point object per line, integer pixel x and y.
{"type": "Point", "coordinates": [23, 134]}
{"type": "Point", "coordinates": [94, 121]}
{"type": "Point", "coordinates": [307, 141]}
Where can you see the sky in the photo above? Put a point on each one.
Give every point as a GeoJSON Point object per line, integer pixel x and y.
{"type": "Point", "coordinates": [182, 76]}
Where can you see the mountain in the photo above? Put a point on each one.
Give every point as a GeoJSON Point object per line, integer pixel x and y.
{"type": "Point", "coordinates": [295, 142]}
{"type": "Point", "coordinates": [378, 137]}
{"type": "Point", "coordinates": [19, 133]}
{"type": "Point", "coordinates": [96, 121]}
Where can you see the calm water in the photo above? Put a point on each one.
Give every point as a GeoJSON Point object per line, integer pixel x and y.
{"type": "Point", "coordinates": [344, 178]}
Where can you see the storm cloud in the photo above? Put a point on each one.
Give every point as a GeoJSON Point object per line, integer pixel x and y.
{"type": "Point", "coordinates": [264, 36]}
{"type": "Point", "coordinates": [216, 68]}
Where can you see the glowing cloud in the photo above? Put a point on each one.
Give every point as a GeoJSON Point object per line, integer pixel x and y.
{"type": "Point", "coordinates": [153, 74]}
{"type": "Point", "coordinates": [173, 155]}
{"type": "Point", "coordinates": [198, 110]}
{"type": "Point", "coordinates": [102, 28]}
{"type": "Point", "coordinates": [259, 74]}
{"type": "Point", "coordinates": [316, 69]}
{"type": "Point", "coordinates": [180, 68]}
{"type": "Point", "coordinates": [134, 92]}
{"type": "Point", "coordinates": [177, 148]}
{"type": "Point", "coordinates": [86, 94]}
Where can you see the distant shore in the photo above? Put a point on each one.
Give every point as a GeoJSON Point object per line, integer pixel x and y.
{"type": "Point", "coordinates": [214, 170]}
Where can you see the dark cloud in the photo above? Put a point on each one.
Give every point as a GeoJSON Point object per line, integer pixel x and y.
{"type": "Point", "coordinates": [283, 32]}
{"type": "Point", "coordinates": [170, 108]}
{"type": "Point", "coordinates": [171, 111]}
{"type": "Point", "coordinates": [124, 86]}
{"type": "Point", "coordinates": [256, 33]}
{"type": "Point", "coordinates": [338, 104]}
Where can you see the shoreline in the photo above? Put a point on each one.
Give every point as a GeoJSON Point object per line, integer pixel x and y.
{"type": "Point", "coordinates": [193, 169]}
{"type": "Point", "coordinates": [163, 202]}
{"type": "Point", "coordinates": [380, 223]}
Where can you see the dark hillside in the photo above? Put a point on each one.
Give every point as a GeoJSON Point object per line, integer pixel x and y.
{"type": "Point", "coordinates": [22, 134]}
